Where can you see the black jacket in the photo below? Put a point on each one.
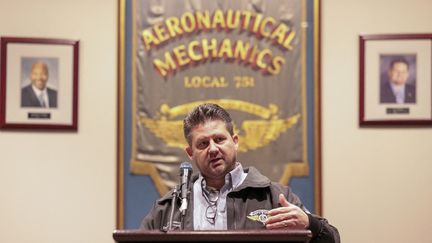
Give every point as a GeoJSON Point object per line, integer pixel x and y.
{"type": "Point", "coordinates": [387, 95]}
{"type": "Point", "coordinates": [29, 98]}
{"type": "Point", "coordinates": [255, 193]}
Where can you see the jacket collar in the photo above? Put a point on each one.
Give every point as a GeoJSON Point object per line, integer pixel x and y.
{"type": "Point", "coordinates": [253, 179]}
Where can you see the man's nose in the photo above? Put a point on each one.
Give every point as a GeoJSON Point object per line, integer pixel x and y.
{"type": "Point", "coordinates": [213, 148]}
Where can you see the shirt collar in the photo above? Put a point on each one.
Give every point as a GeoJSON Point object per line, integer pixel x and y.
{"type": "Point", "coordinates": [237, 175]}
{"type": "Point", "coordinates": [232, 179]}
{"type": "Point", "coordinates": [38, 92]}
{"type": "Point", "coordinates": [398, 88]}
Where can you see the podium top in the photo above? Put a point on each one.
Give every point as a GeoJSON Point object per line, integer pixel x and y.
{"type": "Point", "coordinates": [136, 236]}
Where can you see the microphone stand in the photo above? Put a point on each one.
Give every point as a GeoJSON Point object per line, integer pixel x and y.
{"type": "Point", "coordinates": [180, 191]}
{"type": "Point", "coordinates": [171, 223]}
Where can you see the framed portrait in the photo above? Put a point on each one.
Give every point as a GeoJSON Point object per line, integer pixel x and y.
{"type": "Point", "coordinates": [39, 83]}
{"type": "Point", "coordinates": [395, 80]}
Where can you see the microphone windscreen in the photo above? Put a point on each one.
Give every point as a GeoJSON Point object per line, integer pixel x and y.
{"type": "Point", "coordinates": [185, 166]}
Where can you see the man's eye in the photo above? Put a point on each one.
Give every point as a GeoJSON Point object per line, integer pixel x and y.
{"type": "Point", "coordinates": [219, 139]}
{"type": "Point", "coordinates": [202, 145]}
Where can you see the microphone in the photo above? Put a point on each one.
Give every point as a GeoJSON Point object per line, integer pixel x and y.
{"type": "Point", "coordinates": [185, 175]}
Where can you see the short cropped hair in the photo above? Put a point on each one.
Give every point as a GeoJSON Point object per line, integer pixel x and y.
{"type": "Point", "coordinates": [399, 60]}
{"type": "Point", "coordinates": [203, 113]}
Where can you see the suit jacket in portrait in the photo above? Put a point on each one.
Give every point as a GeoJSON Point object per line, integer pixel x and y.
{"type": "Point", "coordinates": [387, 95]}
{"type": "Point", "coordinates": [30, 99]}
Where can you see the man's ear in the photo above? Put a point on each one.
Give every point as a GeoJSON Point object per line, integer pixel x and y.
{"type": "Point", "coordinates": [235, 138]}
{"type": "Point", "coordinates": [189, 152]}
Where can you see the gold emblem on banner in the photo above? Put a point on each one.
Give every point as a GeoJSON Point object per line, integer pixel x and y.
{"type": "Point", "coordinates": [253, 134]}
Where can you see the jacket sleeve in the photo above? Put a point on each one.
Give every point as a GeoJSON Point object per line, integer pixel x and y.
{"type": "Point", "coordinates": [322, 231]}
{"type": "Point", "coordinates": [150, 220]}
{"type": "Point", "coordinates": [157, 216]}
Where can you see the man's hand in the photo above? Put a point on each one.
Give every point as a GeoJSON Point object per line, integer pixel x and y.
{"type": "Point", "coordinates": [287, 216]}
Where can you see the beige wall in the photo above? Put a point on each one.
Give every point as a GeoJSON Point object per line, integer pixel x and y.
{"type": "Point", "coordinates": [60, 187]}
{"type": "Point", "coordinates": [376, 182]}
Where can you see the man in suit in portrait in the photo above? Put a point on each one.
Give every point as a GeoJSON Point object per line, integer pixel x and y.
{"type": "Point", "coordinates": [37, 94]}
{"type": "Point", "coordinates": [397, 90]}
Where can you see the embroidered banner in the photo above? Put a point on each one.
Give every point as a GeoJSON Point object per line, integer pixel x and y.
{"type": "Point", "coordinates": [247, 56]}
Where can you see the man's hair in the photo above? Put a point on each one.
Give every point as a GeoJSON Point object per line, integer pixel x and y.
{"type": "Point", "coordinates": [399, 60]}
{"type": "Point", "coordinates": [203, 113]}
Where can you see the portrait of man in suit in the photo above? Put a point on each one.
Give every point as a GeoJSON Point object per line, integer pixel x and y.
{"type": "Point", "coordinates": [37, 93]}
{"type": "Point", "coordinates": [397, 87]}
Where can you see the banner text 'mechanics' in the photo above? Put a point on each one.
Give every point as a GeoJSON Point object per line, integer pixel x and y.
{"type": "Point", "coordinates": [201, 51]}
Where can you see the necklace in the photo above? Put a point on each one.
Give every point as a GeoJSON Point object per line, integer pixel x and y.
{"type": "Point", "coordinates": [211, 195]}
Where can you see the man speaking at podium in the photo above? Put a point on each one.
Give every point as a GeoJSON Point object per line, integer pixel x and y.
{"type": "Point", "coordinates": [226, 196]}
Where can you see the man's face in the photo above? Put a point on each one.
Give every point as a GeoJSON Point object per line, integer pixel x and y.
{"type": "Point", "coordinates": [39, 76]}
{"type": "Point", "coordinates": [213, 149]}
{"type": "Point", "coordinates": [399, 73]}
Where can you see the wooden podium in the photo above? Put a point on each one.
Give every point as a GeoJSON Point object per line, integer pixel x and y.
{"type": "Point", "coordinates": [137, 236]}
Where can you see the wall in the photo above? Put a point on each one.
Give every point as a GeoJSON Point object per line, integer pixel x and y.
{"type": "Point", "coordinates": [56, 186]}
{"type": "Point", "coordinates": [376, 181]}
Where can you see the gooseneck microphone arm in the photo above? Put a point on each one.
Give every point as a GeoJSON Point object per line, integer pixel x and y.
{"type": "Point", "coordinates": [170, 224]}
